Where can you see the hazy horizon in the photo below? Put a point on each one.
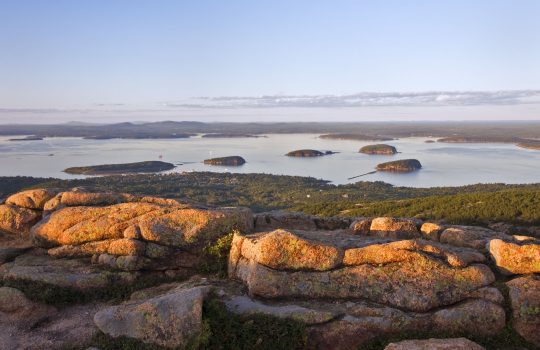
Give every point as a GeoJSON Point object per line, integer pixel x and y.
{"type": "Point", "coordinates": [107, 62]}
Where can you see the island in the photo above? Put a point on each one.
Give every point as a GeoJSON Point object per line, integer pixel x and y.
{"type": "Point", "coordinates": [355, 137]}
{"type": "Point", "coordinates": [229, 161]}
{"type": "Point", "coordinates": [231, 135]}
{"type": "Point", "coordinates": [27, 138]}
{"type": "Point", "coordinates": [125, 168]}
{"type": "Point", "coordinates": [308, 153]}
{"type": "Point", "coordinates": [400, 166]}
{"type": "Point", "coordinates": [429, 141]}
{"type": "Point", "coordinates": [378, 149]}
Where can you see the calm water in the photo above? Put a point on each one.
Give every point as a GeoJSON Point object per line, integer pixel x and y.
{"type": "Point", "coordinates": [443, 164]}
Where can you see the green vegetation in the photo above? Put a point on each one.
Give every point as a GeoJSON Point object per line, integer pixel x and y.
{"type": "Point", "coordinates": [125, 168]}
{"type": "Point", "coordinates": [261, 192]}
{"type": "Point", "coordinates": [378, 149]}
{"type": "Point", "coordinates": [216, 256]}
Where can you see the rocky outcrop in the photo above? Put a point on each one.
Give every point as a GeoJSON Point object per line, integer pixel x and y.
{"type": "Point", "coordinates": [413, 274]}
{"type": "Point", "coordinates": [435, 344]}
{"type": "Point", "coordinates": [134, 235]}
{"type": "Point", "coordinates": [524, 295]}
{"type": "Point", "coordinates": [522, 256]}
{"type": "Point", "coordinates": [173, 319]}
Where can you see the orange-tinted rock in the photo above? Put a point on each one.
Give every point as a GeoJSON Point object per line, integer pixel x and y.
{"type": "Point", "coordinates": [166, 225]}
{"type": "Point", "coordinates": [519, 257]}
{"type": "Point", "coordinates": [411, 274]}
{"type": "Point", "coordinates": [394, 227]}
{"type": "Point", "coordinates": [17, 220]}
{"type": "Point", "coordinates": [31, 199]}
{"type": "Point", "coordinates": [282, 249]}
{"type": "Point", "coordinates": [126, 246]}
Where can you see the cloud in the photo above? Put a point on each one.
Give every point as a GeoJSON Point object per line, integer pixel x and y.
{"type": "Point", "coordinates": [368, 99]}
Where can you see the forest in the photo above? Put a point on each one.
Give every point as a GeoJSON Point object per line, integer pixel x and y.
{"type": "Point", "coordinates": [480, 204]}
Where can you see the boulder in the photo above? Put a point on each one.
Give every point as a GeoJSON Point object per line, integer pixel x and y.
{"type": "Point", "coordinates": [519, 257]}
{"type": "Point", "coordinates": [171, 320]}
{"type": "Point", "coordinates": [524, 293]}
{"type": "Point", "coordinates": [435, 344]}
{"type": "Point", "coordinates": [17, 220]}
{"type": "Point", "coordinates": [414, 275]}
{"type": "Point", "coordinates": [32, 199]}
{"type": "Point", "coordinates": [470, 236]}
{"type": "Point", "coordinates": [394, 227]}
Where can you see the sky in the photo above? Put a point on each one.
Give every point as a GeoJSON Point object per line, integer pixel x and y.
{"type": "Point", "coordinates": [280, 60]}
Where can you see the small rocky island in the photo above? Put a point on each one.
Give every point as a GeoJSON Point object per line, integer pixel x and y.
{"type": "Point", "coordinates": [229, 161]}
{"type": "Point", "coordinates": [400, 166]}
{"type": "Point", "coordinates": [308, 153]}
{"type": "Point", "coordinates": [378, 149]}
{"type": "Point", "coordinates": [126, 168]}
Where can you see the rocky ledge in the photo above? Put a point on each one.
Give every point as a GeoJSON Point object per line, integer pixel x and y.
{"type": "Point", "coordinates": [347, 281]}
{"type": "Point", "coordinates": [229, 161]}
{"type": "Point", "coordinates": [378, 149]}
{"type": "Point", "coordinates": [400, 166]}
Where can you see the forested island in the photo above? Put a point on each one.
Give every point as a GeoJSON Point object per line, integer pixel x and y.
{"type": "Point", "coordinates": [125, 168]}
{"type": "Point", "coordinates": [308, 153]}
{"type": "Point", "coordinates": [400, 166]}
{"type": "Point", "coordinates": [229, 161]}
{"type": "Point", "coordinates": [378, 149]}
